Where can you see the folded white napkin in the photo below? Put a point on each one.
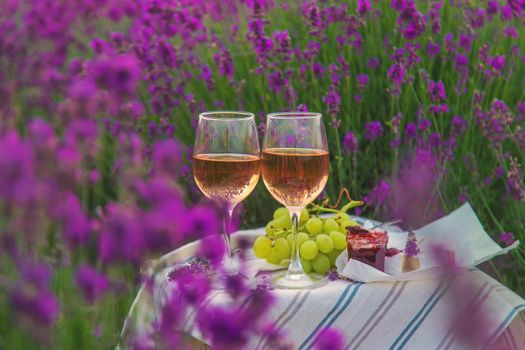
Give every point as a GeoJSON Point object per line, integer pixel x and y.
{"type": "Point", "coordinates": [460, 232]}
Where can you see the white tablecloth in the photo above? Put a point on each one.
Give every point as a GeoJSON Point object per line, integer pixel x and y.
{"type": "Point", "coordinates": [422, 314]}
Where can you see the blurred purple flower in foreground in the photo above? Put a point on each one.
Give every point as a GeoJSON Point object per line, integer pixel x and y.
{"type": "Point", "coordinates": [35, 304]}
{"type": "Point", "coordinates": [329, 339]}
{"type": "Point", "coordinates": [91, 283]}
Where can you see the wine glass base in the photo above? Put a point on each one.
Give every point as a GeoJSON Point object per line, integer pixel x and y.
{"type": "Point", "coordinates": [299, 281]}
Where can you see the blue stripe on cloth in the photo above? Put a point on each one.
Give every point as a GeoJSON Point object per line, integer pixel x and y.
{"type": "Point", "coordinates": [336, 305]}
{"type": "Point", "coordinates": [504, 324]}
{"type": "Point", "coordinates": [424, 316]}
{"type": "Point", "coordinates": [341, 310]}
{"type": "Point", "coordinates": [432, 296]}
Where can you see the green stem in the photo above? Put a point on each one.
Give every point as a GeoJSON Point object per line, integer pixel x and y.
{"type": "Point", "coordinates": [500, 278]}
{"type": "Point", "coordinates": [339, 158]}
{"type": "Point", "coordinates": [319, 209]}
{"type": "Point", "coordinates": [490, 211]}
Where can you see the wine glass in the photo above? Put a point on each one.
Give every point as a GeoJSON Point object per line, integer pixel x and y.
{"type": "Point", "coordinates": [226, 163]}
{"type": "Point", "coordinates": [295, 166]}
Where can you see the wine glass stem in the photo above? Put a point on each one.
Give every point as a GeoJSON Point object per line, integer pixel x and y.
{"type": "Point", "coordinates": [295, 267]}
{"type": "Point", "coordinates": [228, 258]}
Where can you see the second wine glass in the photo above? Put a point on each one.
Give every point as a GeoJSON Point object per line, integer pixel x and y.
{"type": "Point", "coordinates": [295, 170]}
{"type": "Point", "coordinates": [226, 162]}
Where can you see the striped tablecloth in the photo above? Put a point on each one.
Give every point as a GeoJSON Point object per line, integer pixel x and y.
{"type": "Point", "coordinates": [423, 314]}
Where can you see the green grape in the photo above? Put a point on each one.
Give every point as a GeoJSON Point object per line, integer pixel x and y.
{"type": "Point", "coordinates": [262, 247]}
{"type": "Point", "coordinates": [324, 243]}
{"type": "Point", "coordinates": [321, 264]}
{"type": "Point", "coordinates": [309, 250]}
{"type": "Point", "coordinates": [283, 222]}
{"type": "Point", "coordinates": [332, 256]}
{"type": "Point", "coordinates": [273, 257]}
{"type": "Point", "coordinates": [347, 223]}
{"type": "Point", "coordinates": [301, 238]}
{"type": "Point", "coordinates": [282, 211]}
{"type": "Point", "coordinates": [307, 265]}
{"type": "Point", "coordinates": [282, 249]}
{"type": "Point", "coordinates": [330, 225]}
{"type": "Point", "coordinates": [314, 226]}
{"type": "Point", "coordinates": [270, 227]}
{"type": "Point", "coordinates": [341, 217]}
{"type": "Point", "coordinates": [305, 215]}
{"type": "Point", "coordinates": [339, 239]}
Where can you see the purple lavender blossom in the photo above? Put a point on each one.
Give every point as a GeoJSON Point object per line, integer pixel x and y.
{"type": "Point", "coordinates": [507, 238]}
{"type": "Point", "coordinates": [318, 70]}
{"type": "Point", "coordinates": [514, 182]}
{"type": "Point", "coordinates": [459, 125]}
{"type": "Point", "coordinates": [377, 196]}
{"type": "Point", "coordinates": [373, 63]}
{"type": "Point", "coordinates": [396, 73]}
{"type": "Point", "coordinates": [465, 42]}
{"type": "Point", "coordinates": [423, 125]}
{"type": "Point", "coordinates": [437, 90]}
{"type": "Point", "coordinates": [433, 49]}
{"type": "Point", "coordinates": [329, 339]}
{"type": "Point", "coordinates": [333, 101]}
{"type": "Point", "coordinates": [410, 130]}
{"type": "Point", "coordinates": [91, 283]}
{"type": "Point", "coordinates": [224, 62]}
{"type": "Point", "coordinates": [32, 297]}
{"type": "Point", "coordinates": [120, 74]}
{"type": "Point", "coordinates": [302, 108]}
{"type": "Point", "coordinates": [362, 80]}
{"type": "Point", "coordinates": [350, 144]}
{"type": "Point", "coordinates": [461, 60]}
{"type": "Point", "coordinates": [373, 130]}
{"type": "Point", "coordinates": [363, 6]}
{"type": "Point", "coordinates": [411, 247]}
{"type": "Point", "coordinates": [76, 225]}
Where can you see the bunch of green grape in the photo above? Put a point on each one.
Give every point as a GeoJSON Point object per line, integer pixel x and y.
{"type": "Point", "coordinates": [320, 240]}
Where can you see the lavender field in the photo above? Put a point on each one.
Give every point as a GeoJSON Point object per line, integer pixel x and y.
{"type": "Point", "coordinates": [423, 101]}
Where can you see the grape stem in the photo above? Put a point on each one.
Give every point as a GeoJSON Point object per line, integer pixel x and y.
{"type": "Point", "coordinates": [351, 204]}
{"type": "Point", "coordinates": [323, 209]}
{"type": "Point", "coordinates": [344, 209]}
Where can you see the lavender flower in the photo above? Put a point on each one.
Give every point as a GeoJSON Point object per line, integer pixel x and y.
{"type": "Point", "coordinates": [350, 144]}
{"type": "Point", "coordinates": [373, 130]}
{"type": "Point", "coordinates": [465, 42]}
{"type": "Point", "coordinates": [363, 6]}
{"type": "Point", "coordinates": [437, 90]}
{"type": "Point", "coordinates": [373, 63]}
{"type": "Point", "coordinates": [396, 73]}
{"type": "Point", "coordinates": [32, 297]}
{"type": "Point", "coordinates": [410, 130]}
{"type": "Point", "coordinates": [433, 49]}
{"type": "Point", "coordinates": [329, 339]}
{"type": "Point", "coordinates": [377, 196]}
{"type": "Point", "coordinates": [459, 125]}
{"type": "Point", "coordinates": [362, 81]}
{"type": "Point", "coordinates": [411, 247]}
{"type": "Point", "coordinates": [119, 74]}
{"type": "Point", "coordinates": [333, 101]}
{"type": "Point", "coordinates": [514, 183]}
{"type": "Point", "coordinates": [224, 62]}
{"type": "Point", "coordinates": [92, 284]}
{"type": "Point", "coordinates": [507, 238]}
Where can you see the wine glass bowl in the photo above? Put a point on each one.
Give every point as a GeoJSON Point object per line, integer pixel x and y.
{"type": "Point", "coordinates": [295, 167]}
{"type": "Point", "coordinates": [226, 162]}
